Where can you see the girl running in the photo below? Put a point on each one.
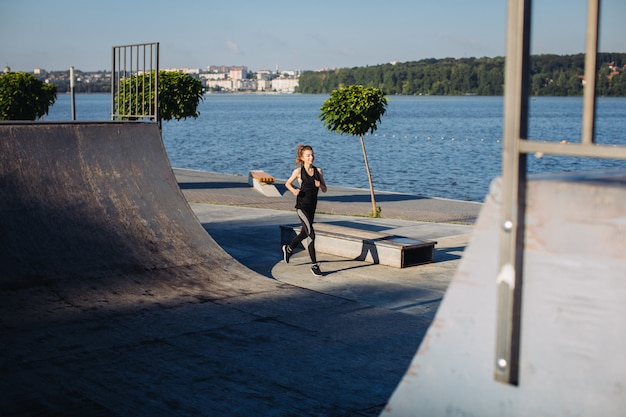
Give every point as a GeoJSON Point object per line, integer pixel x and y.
{"type": "Point", "coordinates": [310, 179]}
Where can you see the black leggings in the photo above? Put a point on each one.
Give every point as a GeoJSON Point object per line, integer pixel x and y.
{"type": "Point", "coordinates": [307, 232]}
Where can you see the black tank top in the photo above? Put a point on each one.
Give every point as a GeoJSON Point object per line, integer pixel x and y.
{"type": "Point", "coordinates": [307, 197]}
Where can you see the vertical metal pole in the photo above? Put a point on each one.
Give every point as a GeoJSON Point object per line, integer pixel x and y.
{"type": "Point", "coordinates": [509, 280]}
{"type": "Point", "coordinates": [151, 82]}
{"type": "Point", "coordinates": [136, 77]}
{"type": "Point", "coordinates": [113, 89]}
{"type": "Point", "coordinates": [73, 96]}
{"type": "Point", "coordinates": [143, 82]}
{"type": "Point", "coordinates": [130, 89]}
{"type": "Point", "coordinates": [591, 55]}
{"type": "Point", "coordinates": [123, 84]}
{"type": "Point", "coordinates": [157, 114]}
{"type": "Point", "coordinates": [119, 80]}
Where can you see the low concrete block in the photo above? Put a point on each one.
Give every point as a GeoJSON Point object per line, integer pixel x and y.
{"type": "Point", "coordinates": [263, 182]}
{"type": "Point", "coordinates": [365, 245]}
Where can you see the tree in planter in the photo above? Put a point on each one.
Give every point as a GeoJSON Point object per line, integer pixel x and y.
{"type": "Point", "coordinates": [179, 95]}
{"type": "Point", "coordinates": [355, 110]}
{"type": "Point", "coordinates": [23, 97]}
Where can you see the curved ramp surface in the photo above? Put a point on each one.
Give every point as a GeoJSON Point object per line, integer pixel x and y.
{"type": "Point", "coordinates": [92, 200]}
{"type": "Point", "coordinates": [114, 301]}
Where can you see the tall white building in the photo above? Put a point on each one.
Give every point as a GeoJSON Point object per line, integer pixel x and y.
{"type": "Point", "coordinates": [284, 85]}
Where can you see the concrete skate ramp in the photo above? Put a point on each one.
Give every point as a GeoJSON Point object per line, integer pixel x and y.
{"type": "Point", "coordinates": [572, 344]}
{"type": "Point", "coordinates": [90, 200]}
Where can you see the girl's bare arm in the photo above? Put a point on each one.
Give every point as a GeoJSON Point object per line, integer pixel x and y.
{"type": "Point", "coordinates": [289, 184]}
{"type": "Point", "coordinates": [322, 183]}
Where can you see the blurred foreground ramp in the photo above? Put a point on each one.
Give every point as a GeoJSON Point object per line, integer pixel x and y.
{"type": "Point", "coordinates": [573, 327]}
{"type": "Point", "coordinates": [114, 301]}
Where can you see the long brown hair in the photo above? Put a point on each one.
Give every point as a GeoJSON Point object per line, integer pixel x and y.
{"type": "Point", "coordinates": [299, 151]}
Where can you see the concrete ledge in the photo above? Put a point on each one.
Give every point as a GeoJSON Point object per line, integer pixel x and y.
{"type": "Point", "coordinates": [263, 182]}
{"type": "Point", "coordinates": [365, 245]}
{"type": "Point", "coordinates": [262, 176]}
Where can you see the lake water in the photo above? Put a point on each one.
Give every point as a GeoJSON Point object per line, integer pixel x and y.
{"type": "Point", "coordinates": [447, 147]}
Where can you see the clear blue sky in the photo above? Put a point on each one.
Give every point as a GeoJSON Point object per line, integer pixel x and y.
{"type": "Point", "coordinates": [309, 35]}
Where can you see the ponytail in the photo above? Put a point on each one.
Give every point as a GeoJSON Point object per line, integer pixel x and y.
{"type": "Point", "coordinates": [299, 151]}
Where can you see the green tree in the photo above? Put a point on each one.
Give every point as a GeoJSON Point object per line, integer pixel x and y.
{"type": "Point", "coordinates": [552, 75]}
{"type": "Point", "coordinates": [355, 110]}
{"type": "Point", "coordinates": [179, 95]}
{"type": "Point", "coordinates": [619, 84]}
{"type": "Point", "coordinates": [23, 97]}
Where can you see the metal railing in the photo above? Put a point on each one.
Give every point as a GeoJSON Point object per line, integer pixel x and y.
{"type": "Point", "coordinates": [514, 173]}
{"type": "Point", "coordinates": [135, 82]}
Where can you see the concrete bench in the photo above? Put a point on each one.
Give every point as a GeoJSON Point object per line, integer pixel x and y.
{"type": "Point", "coordinates": [263, 182]}
{"type": "Point", "coordinates": [262, 176]}
{"type": "Point", "coordinates": [365, 245]}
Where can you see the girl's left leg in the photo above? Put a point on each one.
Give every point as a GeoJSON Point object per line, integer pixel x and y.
{"type": "Point", "coordinates": [306, 232]}
{"type": "Point", "coordinates": [307, 227]}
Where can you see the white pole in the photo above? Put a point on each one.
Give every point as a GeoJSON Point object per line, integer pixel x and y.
{"type": "Point", "coordinates": [73, 104]}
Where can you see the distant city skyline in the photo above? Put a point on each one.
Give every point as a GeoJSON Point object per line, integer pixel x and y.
{"type": "Point", "coordinates": [263, 35]}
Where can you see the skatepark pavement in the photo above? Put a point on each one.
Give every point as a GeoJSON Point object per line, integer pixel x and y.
{"type": "Point", "coordinates": [115, 301]}
{"type": "Point", "coordinates": [249, 231]}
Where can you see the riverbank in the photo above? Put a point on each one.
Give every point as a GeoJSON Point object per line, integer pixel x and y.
{"type": "Point", "coordinates": [234, 190]}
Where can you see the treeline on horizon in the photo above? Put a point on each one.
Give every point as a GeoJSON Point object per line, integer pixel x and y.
{"type": "Point", "coordinates": [551, 75]}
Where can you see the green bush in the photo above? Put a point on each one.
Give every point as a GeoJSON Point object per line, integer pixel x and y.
{"type": "Point", "coordinates": [23, 97]}
{"type": "Point", "coordinates": [179, 95]}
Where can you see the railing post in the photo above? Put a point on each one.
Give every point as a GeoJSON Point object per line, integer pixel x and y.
{"type": "Point", "coordinates": [509, 280]}
{"type": "Point", "coordinates": [591, 56]}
